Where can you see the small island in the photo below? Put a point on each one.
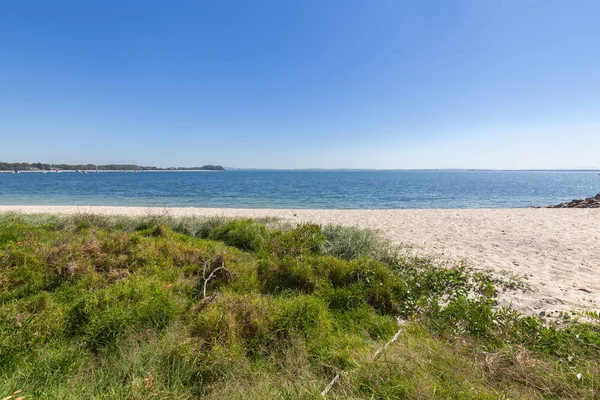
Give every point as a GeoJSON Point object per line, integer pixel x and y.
{"type": "Point", "coordinates": [36, 167]}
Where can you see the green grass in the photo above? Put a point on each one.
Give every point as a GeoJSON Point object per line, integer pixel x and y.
{"type": "Point", "coordinates": [113, 307]}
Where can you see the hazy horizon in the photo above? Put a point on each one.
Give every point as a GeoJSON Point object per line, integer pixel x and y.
{"type": "Point", "coordinates": [302, 85]}
{"type": "Point", "coordinates": [582, 169]}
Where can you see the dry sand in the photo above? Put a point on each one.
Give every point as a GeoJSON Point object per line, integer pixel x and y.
{"type": "Point", "coordinates": [554, 252]}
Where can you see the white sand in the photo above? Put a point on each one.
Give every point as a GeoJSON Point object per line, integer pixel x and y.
{"type": "Point", "coordinates": [556, 252]}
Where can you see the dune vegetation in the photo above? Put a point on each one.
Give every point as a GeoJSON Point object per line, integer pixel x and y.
{"type": "Point", "coordinates": [156, 307]}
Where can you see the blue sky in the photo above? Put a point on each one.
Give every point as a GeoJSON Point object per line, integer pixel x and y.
{"type": "Point", "coordinates": [302, 84]}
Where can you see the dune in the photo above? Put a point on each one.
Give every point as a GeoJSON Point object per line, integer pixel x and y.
{"type": "Point", "coordinates": [552, 255]}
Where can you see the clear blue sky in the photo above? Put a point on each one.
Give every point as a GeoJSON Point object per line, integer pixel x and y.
{"type": "Point", "coordinates": [299, 84]}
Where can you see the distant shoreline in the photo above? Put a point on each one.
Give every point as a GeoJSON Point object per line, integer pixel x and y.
{"type": "Point", "coordinates": [313, 170]}
{"type": "Point", "coordinates": [92, 171]}
{"type": "Point", "coordinates": [62, 167]}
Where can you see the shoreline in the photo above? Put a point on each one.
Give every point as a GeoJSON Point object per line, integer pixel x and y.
{"type": "Point", "coordinates": [93, 171]}
{"type": "Point", "coordinates": [553, 253]}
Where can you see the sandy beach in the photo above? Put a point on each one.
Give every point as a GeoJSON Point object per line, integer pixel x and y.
{"type": "Point", "coordinates": [555, 253]}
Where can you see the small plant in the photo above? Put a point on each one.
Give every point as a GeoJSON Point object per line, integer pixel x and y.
{"type": "Point", "coordinates": [244, 234]}
{"type": "Point", "coordinates": [297, 242]}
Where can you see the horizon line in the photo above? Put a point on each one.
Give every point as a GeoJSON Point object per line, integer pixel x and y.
{"type": "Point", "coordinates": [590, 169]}
{"type": "Point", "coordinates": [576, 169]}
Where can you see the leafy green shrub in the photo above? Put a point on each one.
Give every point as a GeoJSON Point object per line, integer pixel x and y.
{"type": "Point", "coordinates": [345, 298]}
{"type": "Point", "coordinates": [244, 234]}
{"type": "Point", "coordinates": [466, 315]}
{"type": "Point", "coordinates": [575, 340]}
{"type": "Point", "coordinates": [381, 285]}
{"type": "Point", "coordinates": [287, 274]}
{"type": "Point", "coordinates": [12, 229]}
{"type": "Point", "coordinates": [297, 242]}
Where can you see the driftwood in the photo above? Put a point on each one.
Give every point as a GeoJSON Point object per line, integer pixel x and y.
{"type": "Point", "coordinates": [205, 302]}
{"type": "Point", "coordinates": [392, 340]}
{"type": "Point", "coordinates": [378, 353]}
{"type": "Point", "coordinates": [333, 381]}
{"type": "Point", "coordinates": [211, 273]}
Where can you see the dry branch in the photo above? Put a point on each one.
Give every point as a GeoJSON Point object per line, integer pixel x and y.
{"type": "Point", "coordinates": [382, 349]}
{"type": "Point", "coordinates": [211, 275]}
{"type": "Point", "coordinates": [375, 357]}
{"type": "Point", "coordinates": [333, 381]}
{"type": "Point", "coordinates": [205, 302]}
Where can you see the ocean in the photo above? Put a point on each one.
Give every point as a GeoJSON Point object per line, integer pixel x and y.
{"type": "Point", "coordinates": [301, 189]}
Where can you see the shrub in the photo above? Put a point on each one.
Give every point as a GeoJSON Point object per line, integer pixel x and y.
{"type": "Point", "coordinates": [287, 274]}
{"type": "Point", "coordinates": [306, 316]}
{"type": "Point", "coordinates": [300, 241]}
{"type": "Point", "coordinates": [197, 227]}
{"type": "Point", "coordinates": [381, 285]}
{"type": "Point", "coordinates": [349, 243]}
{"type": "Point", "coordinates": [345, 298]}
{"type": "Point", "coordinates": [236, 320]}
{"type": "Point", "coordinates": [244, 234]}
{"type": "Point", "coordinates": [102, 317]}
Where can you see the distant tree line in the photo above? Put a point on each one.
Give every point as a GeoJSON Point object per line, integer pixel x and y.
{"type": "Point", "coordinates": [204, 168]}
{"type": "Point", "coordinates": [4, 166]}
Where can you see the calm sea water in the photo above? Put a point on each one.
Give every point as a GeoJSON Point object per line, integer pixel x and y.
{"type": "Point", "coordinates": [301, 189]}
